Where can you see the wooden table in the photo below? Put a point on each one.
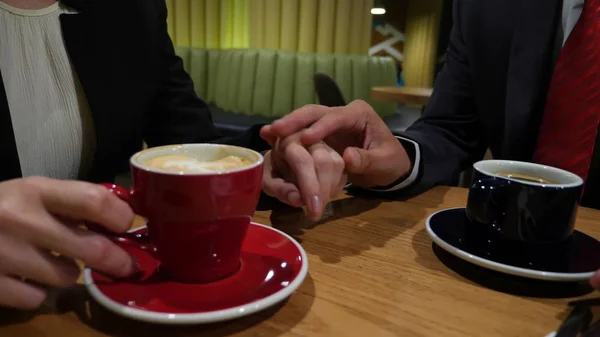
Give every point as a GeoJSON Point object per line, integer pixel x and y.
{"type": "Point", "coordinates": [402, 95]}
{"type": "Point", "coordinates": [372, 272]}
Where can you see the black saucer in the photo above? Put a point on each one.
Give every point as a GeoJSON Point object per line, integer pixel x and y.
{"type": "Point", "coordinates": [573, 260]}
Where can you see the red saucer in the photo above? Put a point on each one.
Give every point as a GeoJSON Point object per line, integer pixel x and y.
{"type": "Point", "coordinates": [273, 265]}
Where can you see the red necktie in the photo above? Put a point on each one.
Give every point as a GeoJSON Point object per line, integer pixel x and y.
{"type": "Point", "coordinates": [570, 123]}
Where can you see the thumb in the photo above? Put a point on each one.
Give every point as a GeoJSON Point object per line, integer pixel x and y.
{"type": "Point", "coordinates": [267, 134]}
{"type": "Point", "coordinates": [357, 160]}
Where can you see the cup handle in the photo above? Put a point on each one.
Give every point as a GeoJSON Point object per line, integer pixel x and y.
{"type": "Point", "coordinates": [485, 203]}
{"type": "Point", "coordinates": [141, 241]}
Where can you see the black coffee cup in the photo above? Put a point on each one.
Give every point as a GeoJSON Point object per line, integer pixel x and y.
{"type": "Point", "coordinates": [523, 202]}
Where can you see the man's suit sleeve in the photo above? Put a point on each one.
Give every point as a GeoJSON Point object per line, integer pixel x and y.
{"type": "Point", "coordinates": [179, 115]}
{"type": "Point", "coordinates": [449, 135]}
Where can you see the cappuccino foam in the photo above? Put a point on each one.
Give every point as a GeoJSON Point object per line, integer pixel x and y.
{"type": "Point", "coordinates": [190, 164]}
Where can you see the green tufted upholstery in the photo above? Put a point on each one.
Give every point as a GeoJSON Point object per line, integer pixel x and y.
{"type": "Point", "coordinates": [272, 83]}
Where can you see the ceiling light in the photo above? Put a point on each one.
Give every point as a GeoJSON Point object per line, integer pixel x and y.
{"type": "Point", "coordinates": [377, 11]}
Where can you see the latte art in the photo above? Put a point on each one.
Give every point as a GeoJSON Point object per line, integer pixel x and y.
{"type": "Point", "coordinates": [189, 164]}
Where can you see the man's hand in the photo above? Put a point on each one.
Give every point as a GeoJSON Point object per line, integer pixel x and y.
{"type": "Point", "coordinates": [298, 175]}
{"type": "Point", "coordinates": [372, 155]}
{"type": "Point", "coordinates": [40, 236]}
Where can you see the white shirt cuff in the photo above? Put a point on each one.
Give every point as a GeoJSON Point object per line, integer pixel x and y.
{"type": "Point", "coordinates": [413, 174]}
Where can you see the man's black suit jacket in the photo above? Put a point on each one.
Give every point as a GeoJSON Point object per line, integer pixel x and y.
{"type": "Point", "coordinates": [135, 85]}
{"type": "Point", "coordinates": [491, 92]}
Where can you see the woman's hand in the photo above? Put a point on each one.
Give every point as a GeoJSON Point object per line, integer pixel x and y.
{"type": "Point", "coordinates": [298, 175]}
{"type": "Point", "coordinates": [41, 236]}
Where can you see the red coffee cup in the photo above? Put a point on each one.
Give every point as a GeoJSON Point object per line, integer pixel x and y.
{"type": "Point", "coordinates": [197, 221]}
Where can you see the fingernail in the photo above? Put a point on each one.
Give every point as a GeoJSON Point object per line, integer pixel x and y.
{"type": "Point", "coordinates": [136, 271]}
{"type": "Point", "coordinates": [132, 267]}
{"type": "Point", "coordinates": [315, 207]}
{"type": "Point", "coordinates": [294, 199]}
{"type": "Point", "coordinates": [355, 158]}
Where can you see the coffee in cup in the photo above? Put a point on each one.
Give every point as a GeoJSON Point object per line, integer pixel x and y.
{"type": "Point", "coordinates": [198, 200]}
{"type": "Point", "coordinates": [524, 177]}
{"type": "Point", "coordinates": [187, 163]}
{"type": "Point", "coordinates": [523, 202]}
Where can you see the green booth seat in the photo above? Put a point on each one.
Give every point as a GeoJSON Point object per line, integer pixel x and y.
{"type": "Point", "coordinates": [247, 86]}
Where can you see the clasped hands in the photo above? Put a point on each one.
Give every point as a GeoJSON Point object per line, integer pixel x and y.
{"type": "Point", "coordinates": [316, 150]}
